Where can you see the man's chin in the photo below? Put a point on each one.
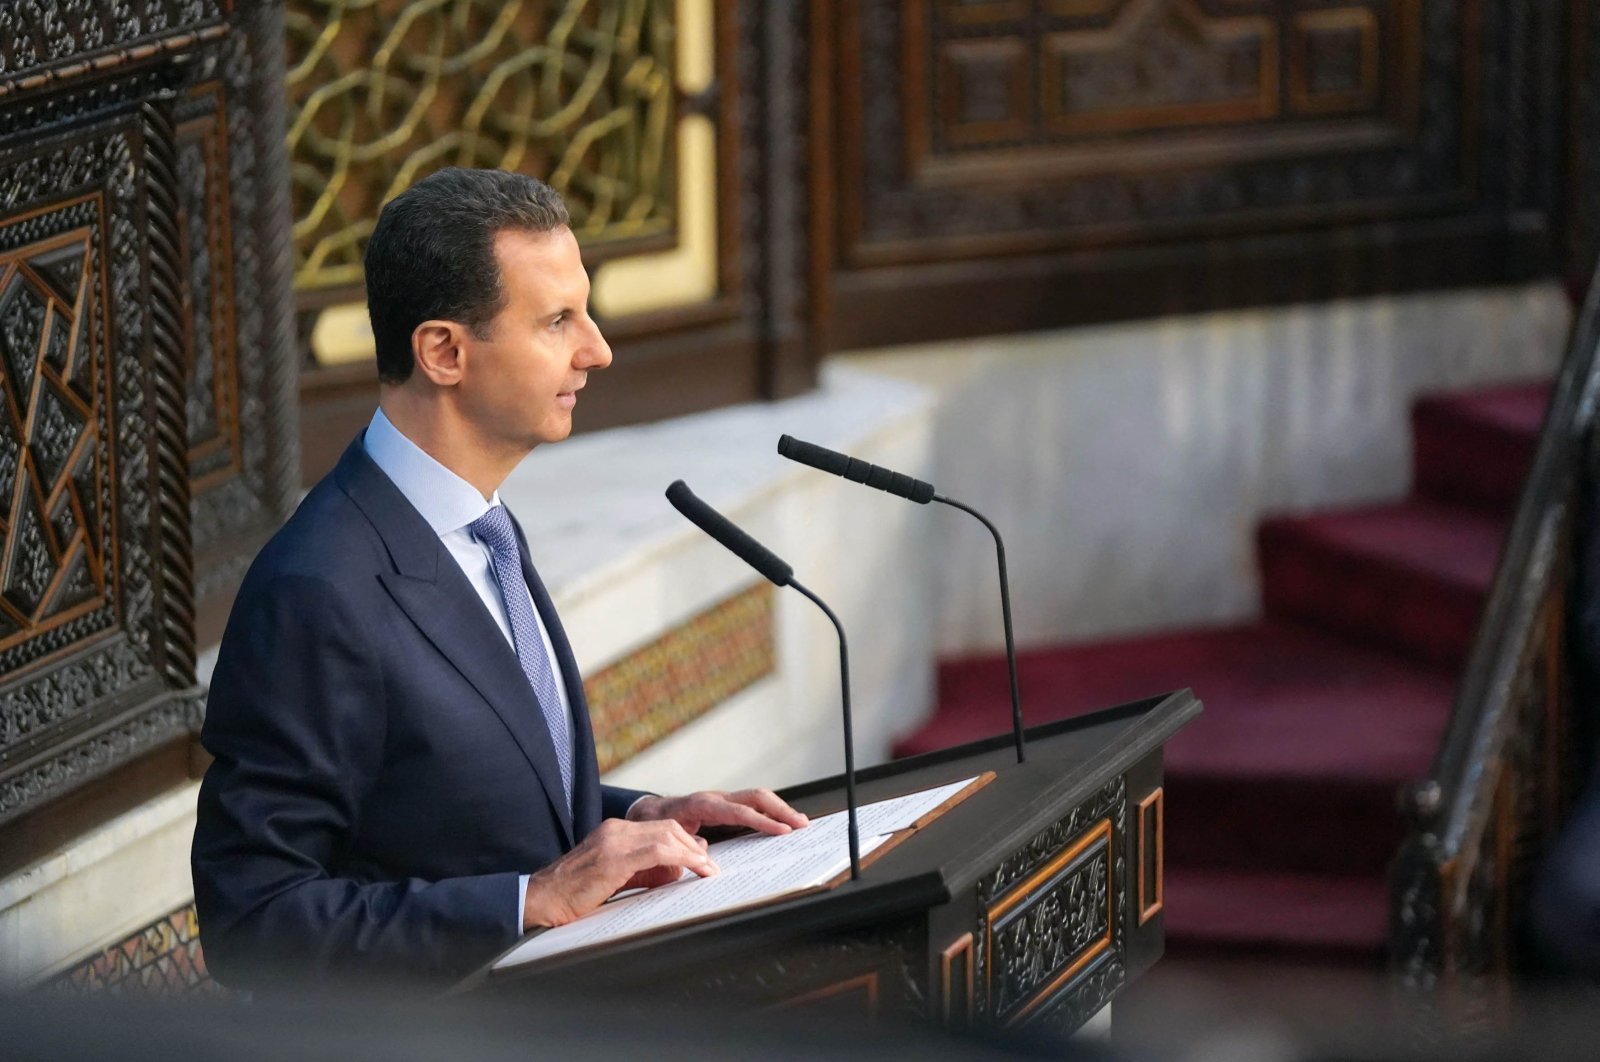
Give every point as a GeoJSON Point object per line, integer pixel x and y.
{"type": "Point", "coordinates": [554, 432]}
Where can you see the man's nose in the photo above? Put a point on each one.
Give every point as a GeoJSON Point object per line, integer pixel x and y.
{"type": "Point", "coordinates": [595, 352]}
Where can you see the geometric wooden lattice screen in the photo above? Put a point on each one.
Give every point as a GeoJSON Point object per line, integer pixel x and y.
{"type": "Point", "coordinates": [146, 402]}
{"type": "Point", "coordinates": [54, 397]}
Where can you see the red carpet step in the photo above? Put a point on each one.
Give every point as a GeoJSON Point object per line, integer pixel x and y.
{"type": "Point", "coordinates": [1475, 449]}
{"type": "Point", "coordinates": [1281, 812]}
{"type": "Point", "coordinates": [1328, 920]}
{"type": "Point", "coordinates": [1294, 763]}
{"type": "Point", "coordinates": [1412, 576]}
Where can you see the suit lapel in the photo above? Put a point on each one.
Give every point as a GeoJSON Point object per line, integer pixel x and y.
{"type": "Point", "coordinates": [431, 590]}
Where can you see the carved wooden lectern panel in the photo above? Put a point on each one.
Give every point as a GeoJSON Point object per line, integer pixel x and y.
{"type": "Point", "coordinates": [1049, 948]}
{"type": "Point", "coordinates": [1026, 907]}
{"type": "Point", "coordinates": [144, 339]}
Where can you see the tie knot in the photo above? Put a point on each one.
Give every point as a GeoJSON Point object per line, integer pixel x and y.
{"type": "Point", "coordinates": [493, 529]}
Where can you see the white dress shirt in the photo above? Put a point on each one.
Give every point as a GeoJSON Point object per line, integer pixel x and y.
{"type": "Point", "coordinates": [450, 504]}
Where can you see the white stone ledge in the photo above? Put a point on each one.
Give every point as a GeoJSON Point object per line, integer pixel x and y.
{"type": "Point", "coordinates": [105, 885]}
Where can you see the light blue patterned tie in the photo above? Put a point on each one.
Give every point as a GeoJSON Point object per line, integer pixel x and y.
{"type": "Point", "coordinates": [494, 530]}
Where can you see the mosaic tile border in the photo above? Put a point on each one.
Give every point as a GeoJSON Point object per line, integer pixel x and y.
{"type": "Point", "coordinates": [682, 675]}
{"type": "Point", "coordinates": [162, 959]}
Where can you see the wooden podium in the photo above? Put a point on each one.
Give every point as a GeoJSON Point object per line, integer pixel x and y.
{"type": "Point", "coordinates": [1031, 903]}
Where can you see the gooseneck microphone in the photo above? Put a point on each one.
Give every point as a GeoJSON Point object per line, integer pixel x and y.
{"type": "Point", "coordinates": [780, 573]}
{"type": "Point", "coordinates": [896, 483]}
{"type": "Point", "coordinates": [730, 535]}
{"type": "Point", "coordinates": [855, 470]}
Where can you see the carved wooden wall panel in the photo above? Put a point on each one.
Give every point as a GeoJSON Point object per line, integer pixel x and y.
{"type": "Point", "coordinates": [1039, 162]}
{"type": "Point", "coordinates": [1582, 132]}
{"type": "Point", "coordinates": [134, 428]}
{"type": "Point", "coordinates": [238, 318]}
{"type": "Point", "coordinates": [96, 617]}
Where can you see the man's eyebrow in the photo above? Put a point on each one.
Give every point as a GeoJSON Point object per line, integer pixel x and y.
{"type": "Point", "coordinates": [570, 307]}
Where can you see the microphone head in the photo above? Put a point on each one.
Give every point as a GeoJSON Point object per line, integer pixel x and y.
{"type": "Point", "coordinates": [855, 469]}
{"type": "Point", "coordinates": [725, 531]}
{"type": "Point", "coordinates": [818, 457]}
{"type": "Point", "coordinates": [680, 495]}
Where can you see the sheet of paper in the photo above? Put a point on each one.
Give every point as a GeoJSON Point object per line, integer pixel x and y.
{"type": "Point", "coordinates": [887, 816]}
{"type": "Point", "coordinates": [832, 831]}
{"type": "Point", "coordinates": [753, 868]}
{"type": "Point", "coordinates": [750, 881]}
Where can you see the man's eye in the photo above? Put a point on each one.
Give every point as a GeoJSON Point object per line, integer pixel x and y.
{"type": "Point", "coordinates": [559, 321]}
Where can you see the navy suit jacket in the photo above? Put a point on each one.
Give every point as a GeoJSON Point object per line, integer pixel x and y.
{"type": "Point", "coordinates": [383, 773]}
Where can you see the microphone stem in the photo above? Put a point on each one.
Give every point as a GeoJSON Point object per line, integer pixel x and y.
{"type": "Point", "coordinates": [849, 732]}
{"type": "Point", "coordinates": [1005, 611]}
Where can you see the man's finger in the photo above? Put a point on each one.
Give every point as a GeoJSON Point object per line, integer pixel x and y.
{"type": "Point", "coordinates": [677, 848]}
{"type": "Point", "coordinates": [652, 877]}
{"type": "Point", "coordinates": [732, 812]}
{"type": "Point", "coordinates": [773, 806]}
{"type": "Point", "coordinates": [646, 845]}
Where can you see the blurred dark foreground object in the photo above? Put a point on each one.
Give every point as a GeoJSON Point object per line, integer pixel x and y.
{"type": "Point", "coordinates": [51, 1028]}
{"type": "Point", "coordinates": [1206, 1023]}
{"type": "Point", "coordinates": [1565, 912]}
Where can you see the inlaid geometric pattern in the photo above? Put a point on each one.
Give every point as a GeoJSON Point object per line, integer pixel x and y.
{"type": "Point", "coordinates": [1333, 60]}
{"type": "Point", "coordinates": [955, 982]}
{"type": "Point", "coordinates": [205, 229]}
{"type": "Point", "coordinates": [384, 92]}
{"type": "Point", "coordinates": [41, 33]}
{"type": "Point", "coordinates": [987, 90]}
{"type": "Point", "coordinates": [1051, 926]}
{"type": "Point", "coordinates": [52, 567]}
{"type": "Point", "coordinates": [163, 959]}
{"type": "Point", "coordinates": [1161, 63]}
{"type": "Point", "coordinates": [1115, 66]}
{"type": "Point", "coordinates": [1048, 947]}
{"type": "Point", "coordinates": [682, 675]}
{"type": "Point", "coordinates": [1152, 826]}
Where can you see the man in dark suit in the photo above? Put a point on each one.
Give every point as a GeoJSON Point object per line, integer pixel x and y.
{"type": "Point", "coordinates": [404, 777]}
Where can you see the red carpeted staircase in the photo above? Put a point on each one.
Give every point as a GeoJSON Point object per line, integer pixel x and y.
{"type": "Point", "coordinates": [1281, 797]}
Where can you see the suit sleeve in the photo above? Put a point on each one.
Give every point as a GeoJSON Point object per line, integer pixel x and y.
{"type": "Point", "coordinates": [296, 723]}
{"type": "Point", "coordinates": [615, 801]}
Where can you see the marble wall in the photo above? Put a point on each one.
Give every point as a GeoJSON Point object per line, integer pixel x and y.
{"type": "Point", "coordinates": [1127, 465]}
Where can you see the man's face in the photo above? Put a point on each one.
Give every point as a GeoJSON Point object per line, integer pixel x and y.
{"type": "Point", "coordinates": [520, 383]}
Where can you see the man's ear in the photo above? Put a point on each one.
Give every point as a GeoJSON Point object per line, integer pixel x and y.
{"type": "Point", "coordinates": [436, 346]}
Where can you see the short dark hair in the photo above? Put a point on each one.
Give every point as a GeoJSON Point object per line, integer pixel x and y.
{"type": "Point", "coordinates": [431, 254]}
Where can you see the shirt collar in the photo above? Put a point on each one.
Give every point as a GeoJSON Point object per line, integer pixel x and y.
{"type": "Point", "coordinates": [445, 500]}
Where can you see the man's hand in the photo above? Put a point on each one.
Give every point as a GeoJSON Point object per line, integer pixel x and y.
{"type": "Point", "coordinates": [761, 810]}
{"type": "Point", "coordinates": [617, 855]}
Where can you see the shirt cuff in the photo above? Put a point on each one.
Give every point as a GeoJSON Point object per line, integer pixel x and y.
{"type": "Point", "coordinates": [522, 893]}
